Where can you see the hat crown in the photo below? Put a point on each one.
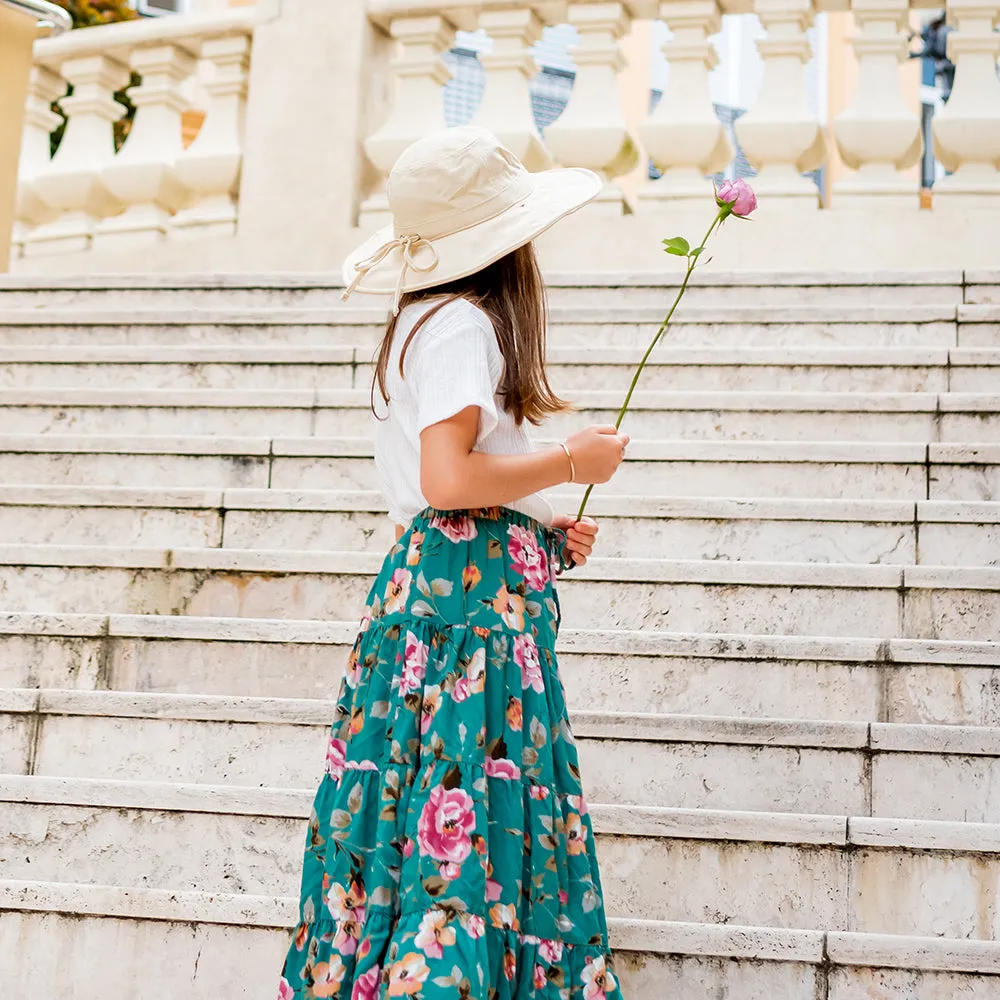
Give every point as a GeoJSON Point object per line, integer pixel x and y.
{"type": "Point", "coordinates": [452, 180]}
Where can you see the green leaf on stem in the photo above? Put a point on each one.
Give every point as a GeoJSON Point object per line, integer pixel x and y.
{"type": "Point", "coordinates": [677, 245]}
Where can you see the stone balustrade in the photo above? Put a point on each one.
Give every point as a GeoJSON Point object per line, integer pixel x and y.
{"type": "Point", "coordinates": [88, 196]}
{"type": "Point", "coordinates": [379, 76]}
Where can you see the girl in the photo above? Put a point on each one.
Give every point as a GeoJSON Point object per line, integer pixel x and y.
{"type": "Point", "coordinates": [450, 855]}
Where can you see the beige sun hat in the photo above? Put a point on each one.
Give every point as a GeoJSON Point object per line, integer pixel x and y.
{"type": "Point", "coordinates": [459, 202]}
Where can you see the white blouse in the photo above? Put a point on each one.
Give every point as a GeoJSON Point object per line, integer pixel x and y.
{"type": "Point", "coordinates": [453, 361]}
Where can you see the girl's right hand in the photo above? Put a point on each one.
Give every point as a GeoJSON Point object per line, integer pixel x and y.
{"type": "Point", "coordinates": [597, 452]}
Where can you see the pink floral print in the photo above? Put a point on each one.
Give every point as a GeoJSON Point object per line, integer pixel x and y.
{"type": "Point", "coordinates": [446, 824]}
{"type": "Point", "coordinates": [528, 557]}
{"type": "Point", "coordinates": [457, 528]}
{"type": "Point", "coordinates": [414, 664]}
{"type": "Point", "coordinates": [366, 987]}
{"type": "Point", "coordinates": [526, 657]}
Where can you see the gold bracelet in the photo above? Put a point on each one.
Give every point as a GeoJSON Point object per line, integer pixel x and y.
{"type": "Point", "coordinates": [572, 464]}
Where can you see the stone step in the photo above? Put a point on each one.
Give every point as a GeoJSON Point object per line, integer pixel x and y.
{"type": "Point", "coordinates": [236, 366]}
{"type": "Point", "coordinates": [792, 416]}
{"type": "Point", "coordinates": [939, 602]}
{"type": "Point", "coordinates": [573, 288]}
{"type": "Point", "coordinates": [685, 761]}
{"type": "Point", "coordinates": [213, 944]}
{"type": "Point", "coordinates": [885, 531]}
{"type": "Point", "coordinates": [792, 677]}
{"type": "Point", "coordinates": [790, 325]}
{"type": "Point", "coordinates": [863, 874]}
{"type": "Point", "coordinates": [820, 470]}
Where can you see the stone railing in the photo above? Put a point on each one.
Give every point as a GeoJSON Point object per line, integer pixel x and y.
{"type": "Point", "coordinates": [335, 100]}
{"type": "Point", "coordinates": [88, 196]}
{"type": "Point", "coordinates": [877, 135]}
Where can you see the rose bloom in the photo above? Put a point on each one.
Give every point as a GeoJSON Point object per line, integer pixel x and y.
{"type": "Point", "coordinates": [576, 835]}
{"type": "Point", "coordinates": [502, 768]}
{"type": "Point", "coordinates": [327, 977]}
{"type": "Point", "coordinates": [455, 529]}
{"type": "Point", "coordinates": [739, 194]}
{"type": "Point", "coordinates": [550, 951]}
{"type": "Point", "coordinates": [397, 591]}
{"type": "Point", "coordinates": [528, 557]}
{"type": "Point", "coordinates": [435, 934]}
{"type": "Point", "coordinates": [366, 986]}
{"type": "Point", "coordinates": [510, 607]}
{"type": "Point", "coordinates": [446, 823]}
{"type": "Point", "coordinates": [471, 577]}
{"type": "Point", "coordinates": [526, 657]}
{"type": "Point", "coordinates": [598, 980]}
{"type": "Point", "coordinates": [407, 975]}
{"type": "Point", "coordinates": [515, 717]}
{"type": "Point", "coordinates": [413, 551]}
{"type": "Point", "coordinates": [414, 664]}
{"type": "Point", "coordinates": [285, 991]}
{"type": "Point", "coordinates": [336, 752]}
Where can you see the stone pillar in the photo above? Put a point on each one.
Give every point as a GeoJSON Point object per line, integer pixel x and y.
{"type": "Point", "coordinates": [17, 36]}
{"type": "Point", "coordinates": [877, 134]}
{"type": "Point", "coordinates": [967, 132]}
{"type": "Point", "coordinates": [684, 137]}
{"type": "Point", "coordinates": [419, 75]}
{"type": "Point", "coordinates": [591, 131]}
{"type": "Point", "coordinates": [210, 168]}
{"type": "Point", "coordinates": [317, 87]}
{"type": "Point", "coordinates": [506, 106]}
{"type": "Point", "coordinates": [780, 136]}
{"type": "Point", "coordinates": [73, 183]}
{"type": "Point", "coordinates": [142, 175]}
{"type": "Point", "coordinates": [40, 121]}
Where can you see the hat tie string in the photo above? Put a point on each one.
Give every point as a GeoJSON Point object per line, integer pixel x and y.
{"type": "Point", "coordinates": [408, 243]}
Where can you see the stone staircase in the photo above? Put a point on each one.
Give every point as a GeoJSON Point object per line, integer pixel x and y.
{"type": "Point", "coordinates": [784, 668]}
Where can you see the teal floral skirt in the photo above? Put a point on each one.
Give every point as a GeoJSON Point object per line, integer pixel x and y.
{"type": "Point", "coordinates": [449, 854]}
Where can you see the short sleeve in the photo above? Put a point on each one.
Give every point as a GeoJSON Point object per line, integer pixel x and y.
{"type": "Point", "coordinates": [454, 362]}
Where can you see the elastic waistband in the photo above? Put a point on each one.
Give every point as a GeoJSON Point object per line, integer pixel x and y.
{"type": "Point", "coordinates": [504, 514]}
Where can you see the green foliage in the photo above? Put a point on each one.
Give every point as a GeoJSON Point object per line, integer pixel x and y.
{"type": "Point", "coordinates": [677, 245]}
{"type": "Point", "coordinates": [86, 13]}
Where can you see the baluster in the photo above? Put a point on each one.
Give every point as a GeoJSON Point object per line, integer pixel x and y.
{"type": "Point", "coordinates": [967, 132]}
{"type": "Point", "coordinates": [591, 131]}
{"type": "Point", "coordinates": [683, 135]}
{"type": "Point", "coordinates": [73, 182]}
{"type": "Point", "coordinates": [210, 168]}
{"type": "Point", "coordinates": [877, 134]}
{"type": "Point", "coordinates": [142, 175]}
{"type": "Point", "coordinates": [40, 121]}
{"type": "Point", "coordinates": [506, 106]}
{"type": "Point", "coordinates": [780, 136]}
{"type": "Point", "coordinates": [418, 108]}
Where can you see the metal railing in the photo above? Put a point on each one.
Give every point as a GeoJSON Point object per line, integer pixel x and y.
{"type": "Point", "coordinates": [51, 18]}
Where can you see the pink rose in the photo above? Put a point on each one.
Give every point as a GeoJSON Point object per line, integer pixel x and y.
{"type": "Point", "coordinates": [446, 822]}
{"type": "Point", "coordinates": [336, 756]}
{"type": "Point", "coordinates": [539, 977]}
{"type": "Point", "coordinates": [739, 195]}
{"type": "Point", "coordinates": [414, 664]}
{"type": "Point", "coordinates": [528, 557]}
{"type": "Point", "coordinates": [551, 951]}
{"type": "Point", "coordinates": [503, 768]}
{"type": "Point", "coordinates": [456, 529]}
{"type": "Point", "coordinates": [526, 657]}
{"type": "Point", "coordinates": [285, 991]}
{"type": "Point", "coordinates": [366, 986]}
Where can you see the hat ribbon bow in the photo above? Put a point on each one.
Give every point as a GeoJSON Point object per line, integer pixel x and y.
{"type": "Point", "coordinates": [408, 243]}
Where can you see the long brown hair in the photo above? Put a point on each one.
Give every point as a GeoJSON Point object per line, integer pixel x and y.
{"type": "Point", "coordinates": [511, 292]}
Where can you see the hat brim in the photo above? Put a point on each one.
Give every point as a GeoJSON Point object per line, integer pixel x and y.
{"type": "Point", "coordinates": [556, 194]}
